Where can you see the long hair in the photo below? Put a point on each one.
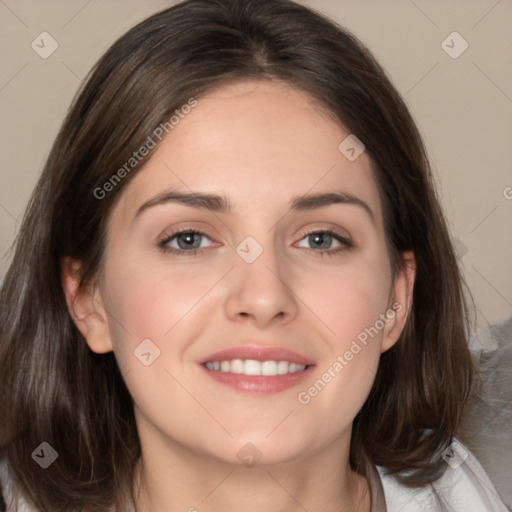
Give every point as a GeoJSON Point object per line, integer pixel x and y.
{"type": "Point", "coordinates": [54, 389]}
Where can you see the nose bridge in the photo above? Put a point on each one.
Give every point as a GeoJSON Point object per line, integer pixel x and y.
{"type": "Point", "coordinates": [260, 262]}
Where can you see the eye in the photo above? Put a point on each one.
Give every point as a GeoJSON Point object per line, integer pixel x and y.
{"type": "Point", "coordinates": [321, 242]}
{"type": "Point", "coordinates": [185, 241]}
{"type": "Point", "coordinates": [190, 242]}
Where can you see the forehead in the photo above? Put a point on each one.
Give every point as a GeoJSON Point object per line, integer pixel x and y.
{"type": "Point", "coordinates": [258, 143]}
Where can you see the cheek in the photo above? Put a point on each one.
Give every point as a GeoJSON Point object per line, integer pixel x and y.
{"type": "Point", "coordinates": [347, 299]}
{"type": "Point", "coordinates": [350, 303]}
{"type": "Point", "coordinates": [156, 303]}
{"type": "Point", "coordinates": [150, 301]}
{"type": "Point", "coordinates": [153, 302]}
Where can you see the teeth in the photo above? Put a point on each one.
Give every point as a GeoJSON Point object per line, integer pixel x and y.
{"type": "Point", "coordinates": [252, 367]}
{"type": "Point", "coordinates": [237, 366]}
{"type": "Point", "coordinates": [282, 367]}
{"type": "Point", "coordinates": [270, 367]}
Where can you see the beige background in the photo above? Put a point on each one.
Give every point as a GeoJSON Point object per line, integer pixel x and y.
{"type": "Point", "coordinates": [463, 107]}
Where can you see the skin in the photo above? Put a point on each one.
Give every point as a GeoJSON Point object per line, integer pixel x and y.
{"type": "Point", "coordinates": [259, 144]}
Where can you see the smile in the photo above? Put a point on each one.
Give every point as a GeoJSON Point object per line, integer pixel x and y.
{"type": "Point", "coordinates": [253, 367]}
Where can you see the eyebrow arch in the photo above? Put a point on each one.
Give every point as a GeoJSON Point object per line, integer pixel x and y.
{"type": "Point", "coordinates": [309, 202]}
{"type": "Point", "coordinates": [202, 201]}
{"type": "Point", "coordinates": [221, 204]}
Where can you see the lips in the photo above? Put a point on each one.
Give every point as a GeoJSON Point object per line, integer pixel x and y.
{"type": "Point", "coordinates": [277, 368]}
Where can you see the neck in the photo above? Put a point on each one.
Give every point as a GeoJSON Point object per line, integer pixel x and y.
{"type": "Point", "coordinates": [174, 479]}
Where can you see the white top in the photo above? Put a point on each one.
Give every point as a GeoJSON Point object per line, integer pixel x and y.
{"type": "Point", "coordinates": [464, 487]}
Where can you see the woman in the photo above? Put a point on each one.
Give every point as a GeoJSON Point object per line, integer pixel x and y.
{"type": "Point", "coordinates": [234, 285]}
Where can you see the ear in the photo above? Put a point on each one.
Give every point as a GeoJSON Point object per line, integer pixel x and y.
{"type": "Point", "coordinates": [86, 308]}
{"type": "Point", "coordinates": [400, 301]}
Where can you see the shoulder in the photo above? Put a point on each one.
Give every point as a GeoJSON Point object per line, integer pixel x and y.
{"type": "Point", "coordinates": [464, 487]}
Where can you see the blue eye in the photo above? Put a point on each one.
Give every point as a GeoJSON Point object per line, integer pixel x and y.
{"type": "Point", "coordinates": [321, 240]}
{"type": "Point", "coordinates": [189, 242]}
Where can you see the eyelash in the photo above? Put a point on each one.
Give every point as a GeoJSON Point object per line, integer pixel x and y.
{"type": "Point", "coordinates": [346, 245]}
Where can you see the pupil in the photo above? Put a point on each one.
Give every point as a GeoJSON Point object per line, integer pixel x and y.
{"type": "Point", "coordinates": [319, 237]}
{"type": "Point", "coordinates": [189, 239]}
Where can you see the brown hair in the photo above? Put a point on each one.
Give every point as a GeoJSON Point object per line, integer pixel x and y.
{"type": "Point", "coordinates": [54, 389]}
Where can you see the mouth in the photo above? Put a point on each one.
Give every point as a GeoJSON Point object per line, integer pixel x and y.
{"type": "Point", "coordinates": [253, 367]}
{"type": "Point", "coordinates": [261, 370]}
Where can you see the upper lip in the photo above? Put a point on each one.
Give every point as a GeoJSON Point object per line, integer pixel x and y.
{"type": "Point", "coordinates": [258, 353]}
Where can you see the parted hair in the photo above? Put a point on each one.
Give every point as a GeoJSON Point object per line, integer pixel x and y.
{"type": "Point", "coordinates": [53, 388]}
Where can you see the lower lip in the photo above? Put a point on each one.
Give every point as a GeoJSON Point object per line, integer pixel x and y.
{"type": "Point", "coordinates": [262, 384]}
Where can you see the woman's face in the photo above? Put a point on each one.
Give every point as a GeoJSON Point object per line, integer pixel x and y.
{"type": "Point", "coordinates": [263, 279]}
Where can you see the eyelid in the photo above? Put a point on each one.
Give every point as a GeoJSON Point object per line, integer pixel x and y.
{"type": "Point", "coordinates": [185, 227]}
{"type": "Point", "coordinates": [326, 230]}
{"type": "Point", "coordinates": [346, 243]}
{"type": "Point", "coordinates": [166, 236]}
{"type": "Point", "coordinates": [329, 227]}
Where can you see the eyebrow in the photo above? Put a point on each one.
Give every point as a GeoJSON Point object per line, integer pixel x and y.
{"type": "Point", "coordinates": [221, 204]}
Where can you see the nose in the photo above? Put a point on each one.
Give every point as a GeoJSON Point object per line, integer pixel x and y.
{"type": "Point", "coordinates": [261, 292]}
